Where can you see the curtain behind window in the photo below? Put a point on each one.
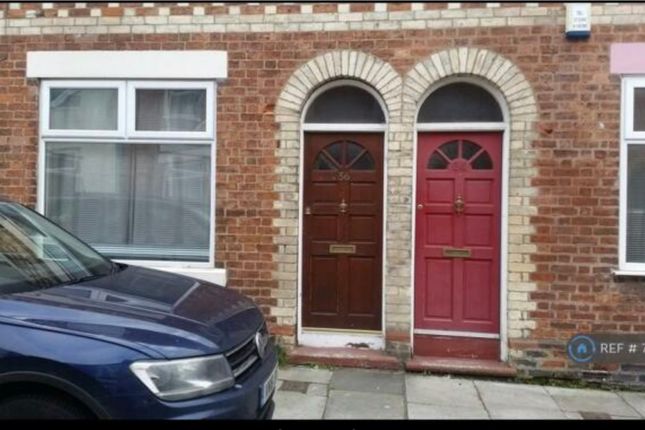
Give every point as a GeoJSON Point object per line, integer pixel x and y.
{"type": "Point", "coordinates": [83, 108]}
{"type": "Point", "coordinates": [137, 201]}
{"type": "Point", "coordinates": [171, 110]}
{"type": "Point", "coordinates": [636, 204]}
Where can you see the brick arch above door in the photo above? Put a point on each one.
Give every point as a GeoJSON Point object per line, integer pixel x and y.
{"type": "Point", "coordinates": [499, 73]}
{"type": "Point", "coordinates": [331, 66]}
{"type": "Point", "coordinates": [484, 64]}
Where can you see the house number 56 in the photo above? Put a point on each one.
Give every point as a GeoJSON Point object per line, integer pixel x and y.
{"type": "Point", "coordinates": [344, 176]}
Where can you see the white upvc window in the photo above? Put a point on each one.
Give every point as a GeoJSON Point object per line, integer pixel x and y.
{"type": "Point", "coordinates": [170, 109]}
{"type": "Point", "coordinates": [634, 108]}
{"type": "Point", "coordinates": [128, 166]}
{"type": "Point", "coordinates": [632, 177]}
{"type": "Point", "coordinates": [83, 108]}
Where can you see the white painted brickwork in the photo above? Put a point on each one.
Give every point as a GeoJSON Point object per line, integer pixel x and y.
{"type": "Point", "coordinates": [270, 21]}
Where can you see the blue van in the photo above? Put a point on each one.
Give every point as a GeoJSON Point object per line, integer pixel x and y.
{"type": "Point", "coordinates": [85, 337]}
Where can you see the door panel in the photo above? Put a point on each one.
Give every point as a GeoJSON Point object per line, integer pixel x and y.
{"type": "Point", "coordinates": [324, 294]}
{"type": "Point", "coordinates": [361, 272]}
{"type": "Point", "coordinates": [438, 300]}
{"type": "Point", "coordinates": [458, 232]}
{"type": "Point", "coordinates": [477, 279]}
{"type": "Point", "coordinates": [440, 190]}
{"type": "Point", "coordinates": [439, 229]}
{"type": "Point", "coordinates": [342, 231]}
{"type": "Point", "coordinates": [361, 229]}
{"type": "Point", "coordinates": [478, 229]}
{"type": "Point", "coordinates": [478, 190]}
{"type": "Point", "coordinates": [326, 226]}
{"type": "Point", "coordinates": [325, 192]}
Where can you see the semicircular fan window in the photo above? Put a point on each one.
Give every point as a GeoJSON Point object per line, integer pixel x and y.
{"type": "Point", "coordinates": [344, 154]}
{"type": "Point", "coordinates": [473, 154]}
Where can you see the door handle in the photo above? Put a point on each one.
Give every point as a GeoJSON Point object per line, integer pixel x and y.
{"type": "Point", "coordinates": [419, 206]}
{"type": "Point", "coordinates": [459, 205]}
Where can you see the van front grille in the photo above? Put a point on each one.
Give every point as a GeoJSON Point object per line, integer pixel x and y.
{"type": "Point", "coordinates": [243, 357]}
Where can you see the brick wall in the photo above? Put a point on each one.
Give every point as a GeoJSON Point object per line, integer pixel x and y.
{"type": "Point", "coordinates": [25, 18]}
{"type": "Point", "coordinates": [566, 242]}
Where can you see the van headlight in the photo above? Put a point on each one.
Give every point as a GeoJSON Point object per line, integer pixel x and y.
{"type": "Point", "coordinates": [174, 380]}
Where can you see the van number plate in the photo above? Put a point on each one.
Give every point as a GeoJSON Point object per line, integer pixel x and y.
{"type": "Point", "coordinates": [268, 387]}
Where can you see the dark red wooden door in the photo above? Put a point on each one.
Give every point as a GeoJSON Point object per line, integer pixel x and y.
{"type": "Point", "coordinates": [458, 232]}
{"type": "Point", "coordinates": [342, 249]}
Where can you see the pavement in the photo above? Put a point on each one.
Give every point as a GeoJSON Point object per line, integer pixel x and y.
{"type": "Point", "coordinates": [317, 393]}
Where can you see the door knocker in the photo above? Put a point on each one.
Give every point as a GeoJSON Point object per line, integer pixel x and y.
{"type": "Point", "coordinates": [342, 207]}
{"type": "Point", "coordinates": [459, 205]}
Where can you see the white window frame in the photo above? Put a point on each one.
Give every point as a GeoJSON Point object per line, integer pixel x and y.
{"type": "Point", "coordinates": [628, 137]}
{"type": "Point", "coordinates": [126, 116]}
{"type": "Point", "coordinates": [629, 85]}
{"type": "Point", "coordinates": [133, 86]}
{"type": "Point", "coordinates": [45, 103]}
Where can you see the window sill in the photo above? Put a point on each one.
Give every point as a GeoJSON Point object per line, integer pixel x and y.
{"type": "Point", "coordinates": [633, 273]}
{"type": "Point", "coordinates": [215, 276]}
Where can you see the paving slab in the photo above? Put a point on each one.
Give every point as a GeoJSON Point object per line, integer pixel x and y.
{"type": "Point", "coordinates": [317, 393]}
{"type": "Point", "coordinates": [525, 413]}
{"type": "Point", "coordinates": [594, 415]}
{"type": "Point", "coordinates": [579, 400]}
{"type": "Point", "coordinates": [290, 405]}
{"type": "Point", "coordinates": [418, 411]}
{"type": "Point", "coordinates": [505, 397]}
{"type": "Point", "coordinates": [636, 401]}
{"type": "Point", "coordinates": [297, 386]}
{"type": "Point", "coordinates": [318, 390]}
{"type": "Point", "coordinates": [305, 374]}
{"type": "Point", "coordinates": [358, 405]}
{"type": "Point", "coordinates": [441, 391]}
{"type": "Point", "coordinates": [367, 381]}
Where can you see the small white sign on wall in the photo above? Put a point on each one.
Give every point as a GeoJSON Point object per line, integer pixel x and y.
{"type": "Point", "coordinates": [578, 20]}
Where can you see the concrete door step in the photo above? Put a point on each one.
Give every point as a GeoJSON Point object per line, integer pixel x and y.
{"type": "Point", "coordinates": [460, 366]}
{"type": "Point", "coordinates": [343, 357]}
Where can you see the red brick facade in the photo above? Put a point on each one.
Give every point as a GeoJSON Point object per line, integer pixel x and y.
{"type": "Point", "coordinates": [576, 144]}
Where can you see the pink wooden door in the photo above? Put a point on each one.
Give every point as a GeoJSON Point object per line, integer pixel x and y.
{"type": "Point", "coordinates": [457, 277]}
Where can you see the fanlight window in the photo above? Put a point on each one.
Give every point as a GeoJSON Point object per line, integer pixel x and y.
{"type": "Point", "coordinates": [345, 105]}
{"type": "Point", "coordinates": [344, 155]}
{"type": "Point", "coordinates": [473, 154]}
{"type": "Point", "coordinates": [460, 102]}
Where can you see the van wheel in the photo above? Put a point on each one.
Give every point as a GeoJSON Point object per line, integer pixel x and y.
{"type": "Point", "coordinates": [40, 407]}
